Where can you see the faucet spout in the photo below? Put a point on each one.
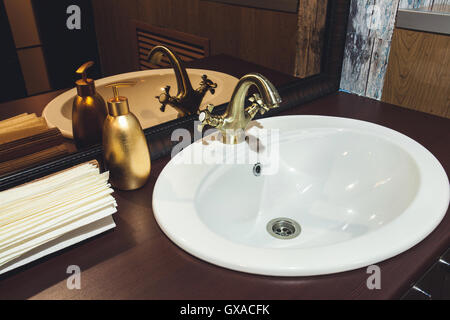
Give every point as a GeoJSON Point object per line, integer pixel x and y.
{"type": "Point", "coordinates": [236, 118]}
{"type": "Point", "coordinates": [268, 95]}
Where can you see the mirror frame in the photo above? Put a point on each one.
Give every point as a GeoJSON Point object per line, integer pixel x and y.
{"type": "Point", "coordinates": [277, 5]}
{"type": "Point", "coordinates": [293, 94]}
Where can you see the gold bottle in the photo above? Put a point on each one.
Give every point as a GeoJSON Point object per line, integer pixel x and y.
{"type": "Point", "coordinates": [125, 148]}
{"type": "Point", "coordinates": [88, 112]}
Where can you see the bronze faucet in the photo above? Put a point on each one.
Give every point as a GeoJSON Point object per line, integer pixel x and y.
{"type": "Point", "coordinates": [187, 101]}
{"type": "Point", "coordinates": [234, 121]}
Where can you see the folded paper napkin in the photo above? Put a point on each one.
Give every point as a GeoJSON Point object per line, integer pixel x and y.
{"type": "Point", "coordinates": [43, 211]}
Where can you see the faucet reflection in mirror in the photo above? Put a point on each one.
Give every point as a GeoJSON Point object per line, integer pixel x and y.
{"type": "Point", "coordinates": [187, 101]}
{"type": "Point", "coordinates": [234, 121]}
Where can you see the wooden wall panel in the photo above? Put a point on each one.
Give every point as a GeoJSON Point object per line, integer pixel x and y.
{"type": "Point", "coordinates": [418, 75]}
{"type": "Point", "coordinates": [416, 4]}
{"type": "Point", "coordinates": [261, 36]}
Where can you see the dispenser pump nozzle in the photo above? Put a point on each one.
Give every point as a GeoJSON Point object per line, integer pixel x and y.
{"type": "Point", "coordinates": [85, 86]}
{"type": "Point", "coordinates": [118, 106]}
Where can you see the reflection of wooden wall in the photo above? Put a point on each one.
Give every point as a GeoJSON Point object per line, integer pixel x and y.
{"type": "Point", "coordinates": [310, 37]}
{"type": "Point", "coordinates": [261, 36]}
{"type": "Point", "coordinates": [418, 74]}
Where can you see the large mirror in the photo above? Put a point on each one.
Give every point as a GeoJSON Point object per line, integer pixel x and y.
{"type": "Point", "coordinates": [291, 42]}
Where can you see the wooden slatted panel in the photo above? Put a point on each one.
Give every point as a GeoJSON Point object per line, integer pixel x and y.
{"type": "Point", "coordinates": [187, 46]}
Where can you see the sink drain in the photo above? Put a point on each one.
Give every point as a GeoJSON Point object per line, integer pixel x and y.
{"type": "Point", "coordinates": [284, 228]}
{"type": "Point", "coordinates": [257, 169]}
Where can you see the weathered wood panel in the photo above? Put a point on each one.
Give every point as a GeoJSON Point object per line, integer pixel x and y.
{"type": "Point", "coordinates": [371, 24]}
{"type": "Point", "coordinates": [310, 37]}
{"type": "Point", "coordinates": [370, 28]}
{"type": "Point", "coordinates": [358, 49]}
{"type": "Point", "coordinates": [383, 22]}
{"type": "Point", "coordinates": [441, 6]}
{"type": "Point", "coordinates": [418, 75]}
{"type": "Point", "coordinates": [416, 4]}
{"type": "Point", "coordinates": [430, 5]}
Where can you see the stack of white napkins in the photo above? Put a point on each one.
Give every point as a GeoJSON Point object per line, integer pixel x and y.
{"type": "Point", "coordinates": [42, 217]}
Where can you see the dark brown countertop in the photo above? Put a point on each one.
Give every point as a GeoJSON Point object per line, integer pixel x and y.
{"type": "Point", "coordinates": [137, 261]}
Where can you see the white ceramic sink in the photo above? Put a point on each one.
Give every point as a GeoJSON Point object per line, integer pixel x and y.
{"type": "Point", "coordinates": [361, 193]}
{"type": "Point", "coordinates": [143, 103]}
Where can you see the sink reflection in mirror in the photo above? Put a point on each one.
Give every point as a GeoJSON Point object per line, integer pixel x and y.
{"type": "Point", "coordinates": [144, 105]}
{"type": "Point", "coordinates": [119, 46]}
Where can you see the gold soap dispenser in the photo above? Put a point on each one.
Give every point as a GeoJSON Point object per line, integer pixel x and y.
{"type": "Point", "coordinates": [125, 148]}
{"type": "Point", "coordinates": [88, 112]}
